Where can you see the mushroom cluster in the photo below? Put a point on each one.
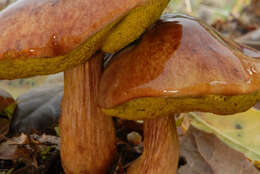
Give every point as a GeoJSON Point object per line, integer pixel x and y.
{"type": "Point", "coordinates": [178, 65]}
{"type": "Point", "coordinates": [39, 37]}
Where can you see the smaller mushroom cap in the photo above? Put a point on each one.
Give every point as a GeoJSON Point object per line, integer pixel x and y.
{"type": "Point", "coordinates": [180, 65]}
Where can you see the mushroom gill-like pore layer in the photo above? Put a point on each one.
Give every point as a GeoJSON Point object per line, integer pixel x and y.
{"type": "Point", "coordinates": [49, 36]}
{"type": "Point", "coordinates": [181, 65]}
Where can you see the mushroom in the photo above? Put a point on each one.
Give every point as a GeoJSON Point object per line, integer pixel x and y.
{"type": "Point", "coordinates": [87, 137]}
{"type": "Point", "coordinates": [50, 36]}
{"type": "Point", "coordinates": [34, 42]}
{"type": "Point", "coordinates": [179, 65]}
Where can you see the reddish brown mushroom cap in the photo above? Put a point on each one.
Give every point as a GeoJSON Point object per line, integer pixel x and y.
{"type": "Point", "coordinates": [181, 58]}
{"type": "Point", "coordinates": [49, 36]}
{"type": "Point", "coordinates": [49, 28]}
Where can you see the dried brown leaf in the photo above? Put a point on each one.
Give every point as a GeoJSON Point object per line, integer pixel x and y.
{"type": "Point", "coordinates": [4, 128]}
{"type": "Point", "coordinates": [221, 158]}
{"type": "Point", "coordinates": [5, 100]}
{"type": "Point", "coordinates": [251, 39]}
{"type": "Point", "coordinates": [203, 153]}
{"type": "Point", "coordinates": [191, 161]}
{"type": "Point", "coordinates": [14, 149]}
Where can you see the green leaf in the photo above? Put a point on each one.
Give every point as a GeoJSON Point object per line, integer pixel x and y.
{"type": "Point", "coordinates": [239, 131]}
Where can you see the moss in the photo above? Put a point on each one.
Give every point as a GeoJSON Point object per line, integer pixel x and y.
{"type": "Point", "coordinates": [21, 67]}
{"type": "Point", "coordinates": [151, 107]}
{"type": "Point", "coordinates": [134, 24]}
{"type": "Point", "coordinates": [9, 111]}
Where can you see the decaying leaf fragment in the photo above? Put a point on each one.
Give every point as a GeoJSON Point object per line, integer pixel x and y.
{"type": "Point", "coordinates": [5, 100]}
{"type": "Point", "coordinates": [239, 131]}
{"type": "Point", "coordinates": [7, 107]}
{"type": "Point", "coordinates": [206, 154]}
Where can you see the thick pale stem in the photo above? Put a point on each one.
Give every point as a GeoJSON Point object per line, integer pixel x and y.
{"type": "Point", "coordinates": [87, 136]}
{"type": "Point", "coordinates": [161, 150]}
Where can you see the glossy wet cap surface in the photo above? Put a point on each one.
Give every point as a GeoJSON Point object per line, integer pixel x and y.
{"type": "Point", "coordinates": [180, 57]}
{"type": "Point", "coordinates": [49, 36]}
{"type": "Point", "coordinates": [47, 28]}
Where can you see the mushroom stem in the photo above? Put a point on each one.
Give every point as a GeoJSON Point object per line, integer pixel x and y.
{"type": "Point", "coordinates": [161, 148]}
{"type": "Point", "coordinates": [87, 136]}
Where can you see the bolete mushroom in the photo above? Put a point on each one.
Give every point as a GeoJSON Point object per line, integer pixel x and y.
{"type": "Point", "coordinates": [179, 65]}
{"type": "Point", "coordinates": [49, 36]}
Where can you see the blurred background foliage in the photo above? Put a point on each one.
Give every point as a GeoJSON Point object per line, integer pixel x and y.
{"type": "Point", "coordinates": [209, 10]}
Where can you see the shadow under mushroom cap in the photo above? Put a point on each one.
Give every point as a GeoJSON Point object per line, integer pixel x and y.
{"type": "Point", "coordinates": [181, 65]}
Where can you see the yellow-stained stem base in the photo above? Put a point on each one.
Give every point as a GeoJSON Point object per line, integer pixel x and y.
{"type": "Point", "coordinates": [134, 24]}
{"type": "Point", "coordinates": [151, 107]}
